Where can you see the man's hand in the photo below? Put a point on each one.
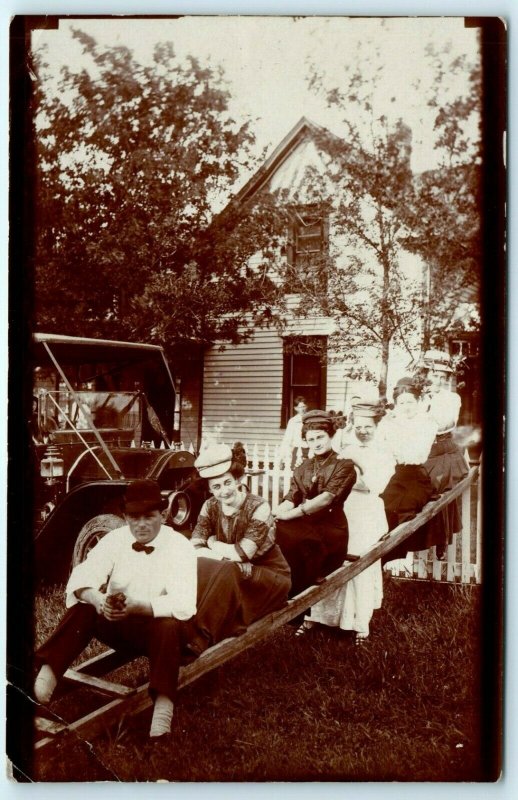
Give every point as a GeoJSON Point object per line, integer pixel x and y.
{"type": "Point", "coordinates": [114, 607]}
{"type": "Point", "coordinates": [115, 613]}
{"type": "Point", "coordinates": [92, 596]}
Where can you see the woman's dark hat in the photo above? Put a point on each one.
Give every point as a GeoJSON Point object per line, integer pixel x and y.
{"type": "Point", "coordinates": [143, 496]}
{"type": "Point", "coordinates": [317, 415]}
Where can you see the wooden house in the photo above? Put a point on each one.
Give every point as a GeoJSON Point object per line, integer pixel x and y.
{"type": "Point", "coordinates": [246, 392]}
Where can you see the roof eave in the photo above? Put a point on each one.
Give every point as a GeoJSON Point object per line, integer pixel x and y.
{"type": "Point", "coordinates": [301, 130]}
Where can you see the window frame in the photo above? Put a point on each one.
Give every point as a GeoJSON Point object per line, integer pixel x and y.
{"type": "Point", "coordinates": [298, 215]}
{"type": "Point", "coordinates": [290, 389]}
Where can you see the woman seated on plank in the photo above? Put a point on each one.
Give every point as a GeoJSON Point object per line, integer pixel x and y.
{"type": "Point", "coordinates": [151, 574]}
{"type": "Point", "coordinates": [311, 527]}
{"type": "Point", "coordinates": [351, 607]}
{"type": "Point", "coordinates": [235, 528]}
{"type": "Point", "coordinates": [446, 464]}
{"type": "Point", "coordinates": [408, 432]}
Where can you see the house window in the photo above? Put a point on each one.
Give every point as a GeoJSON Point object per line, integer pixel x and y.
{"type": "Point", "coordinates": [308, 241]}
{"type": "Point", "coordinates": [304, 373]}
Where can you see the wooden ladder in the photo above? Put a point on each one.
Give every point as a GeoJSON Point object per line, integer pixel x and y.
{"type": "Point", "coordinates": [128, 701]}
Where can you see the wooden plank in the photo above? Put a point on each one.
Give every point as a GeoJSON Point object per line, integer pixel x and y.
{"type": "Point", "coordinates": [244, 423]}
{"type": "Point", "coordinates": [272, 341]}
{"type": "Point", "coordinates": [227, 649]}
{"type": "Point", "coordinates": [95, 722]}
{"type": "Point", "coordinates": [239, 375]}
{"type": "Point", "coordinates": [97, 684]}
{"type": "Point", "coordinates": [49, 726]}
{"type": "Point", "coordinates": [102, 663]}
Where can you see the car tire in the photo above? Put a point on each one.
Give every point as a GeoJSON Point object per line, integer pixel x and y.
{"type": "Point", "coordinates": [91, 532]}
{"type": "Point", "coordinates": [179, 512]}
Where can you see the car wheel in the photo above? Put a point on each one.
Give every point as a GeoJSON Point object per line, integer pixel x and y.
{"type": "Point", "coordinates": [92, 532]}
{"type": "Point", "coordinates": [179, 512]}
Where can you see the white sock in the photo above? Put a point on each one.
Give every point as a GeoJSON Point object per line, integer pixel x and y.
{"type": "Point", "coordinates": [45, 684]}
{"type": "Point", "coordinates": [162, 716]}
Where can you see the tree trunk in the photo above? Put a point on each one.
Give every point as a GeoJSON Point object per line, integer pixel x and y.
{"type": "Point", "coordinates": [386, 333]}
{"type": "Point", "coordinates": [426, 290]}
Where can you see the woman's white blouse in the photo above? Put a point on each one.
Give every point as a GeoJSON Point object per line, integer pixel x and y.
{"type": "Point", "coordinates": [409, 440]}
{"type": "Point", "coordinates": [444, 407]}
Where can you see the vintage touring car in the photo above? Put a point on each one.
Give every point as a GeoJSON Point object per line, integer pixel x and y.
{"type": "Point", "coordinates": [103, 413]}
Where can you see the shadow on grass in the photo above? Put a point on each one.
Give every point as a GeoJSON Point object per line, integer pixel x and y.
{"type": "Point", "coordinates": [406, 706]}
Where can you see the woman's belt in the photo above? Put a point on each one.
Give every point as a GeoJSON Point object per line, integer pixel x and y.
{"type": "Point", "coordinates": [440, 437]}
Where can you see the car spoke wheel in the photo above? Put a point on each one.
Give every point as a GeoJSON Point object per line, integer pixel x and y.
{"type": "Point", "coordinates": [91, 533]}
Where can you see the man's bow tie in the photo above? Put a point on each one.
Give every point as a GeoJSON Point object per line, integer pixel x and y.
{"type": "Point", "coordinates": [142, 548]}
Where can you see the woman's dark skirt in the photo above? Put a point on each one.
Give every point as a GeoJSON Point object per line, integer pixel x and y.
{"type": "Point", "coordinates": [313, 546]}
{"type": "Point", "coordinates": [228, 600]}
{"type": "Point", "coordinates": [409, 489]}
{"type": "Point", "coordinates": [446, 467]}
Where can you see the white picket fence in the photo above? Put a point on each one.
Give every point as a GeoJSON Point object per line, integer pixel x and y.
{"type": "Point", "coordinates": [270, 478]}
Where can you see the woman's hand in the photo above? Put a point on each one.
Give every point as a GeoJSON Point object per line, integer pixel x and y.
{"type": "Point", "coordinates": [224, 550]}
{"type": "Point", "coordinates": [284, 514]}
{"type": "Point", "coordinates": [282, 509]}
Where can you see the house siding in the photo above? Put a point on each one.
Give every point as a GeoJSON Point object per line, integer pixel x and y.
{"type": "Point", "coordinates": [242, 391]}
{"type": "Point", "coordinates": [242, 386]}
{"type": "Point", "coordinates": [190, 408]}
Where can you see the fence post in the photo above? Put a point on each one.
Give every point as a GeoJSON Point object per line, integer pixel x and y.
{"type": "Point", "coordinates": [286, 477]}
{"type": "Point", "coordinates": [266, 474]}
{"type": "Point", "coordinates": [299, 457]}
{"type": "Point", "coordinates": [436, 566]}
{"type": "Point", "coordinates": [276, 476]}
{"type": "Point", "coordinates": [478, 557]}
{"type": "Point", "coordinates": [466, 536]}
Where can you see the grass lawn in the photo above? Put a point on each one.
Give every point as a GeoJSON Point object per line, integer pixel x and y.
{"type": "Point", "coordinates": [404, 707]}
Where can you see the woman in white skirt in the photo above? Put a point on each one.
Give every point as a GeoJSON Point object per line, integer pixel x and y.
{"type": "Point", "coordinates": [352, 606]}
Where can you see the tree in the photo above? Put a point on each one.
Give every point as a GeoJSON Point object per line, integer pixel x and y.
{"type": "Point", "coordinates": [131, 159]}
{"type": "Point", "coordinates": [444, 224]}
{"type": "Point", "coordinates": [381, 212]}
{"type": "Point", "coordinates": [360, 283]}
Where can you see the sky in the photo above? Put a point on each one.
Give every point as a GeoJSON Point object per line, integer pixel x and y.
{"type": "Point", "coordinates": [265, 61]}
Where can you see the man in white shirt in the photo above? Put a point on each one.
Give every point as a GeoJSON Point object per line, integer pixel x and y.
{"type": "Point", "coordinates": [150, 574]}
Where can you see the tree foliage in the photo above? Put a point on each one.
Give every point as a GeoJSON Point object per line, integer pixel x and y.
{"type": "Point", "coordinates": [444, 222]}
{"type": "Point", "coordinates": [381, 211]}
{"type": "Point", "coordinates": [130, 161]}
{"type": "Point", "coordinates": [360, 283]}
